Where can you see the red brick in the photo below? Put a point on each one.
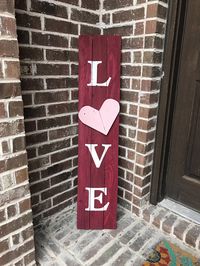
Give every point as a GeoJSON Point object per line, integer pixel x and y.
{"type": "Point", "coordinates": [128, 120]}
{"type": "Point", "coordinates": [29, 258]}
{"type": "Point", "coordinates": [151, 71]}
{"type": "Point", "coordinates": [60, 83]}
{"type": "Point", "coordinates": [135, 84]}
{"type": "Point", "coordinates": [62, 108]}
{"type": "Point", "coordinates": [66, 195]}
{"type": "Point", "coordinates": [20, 4]}
{"type": "Point", "coordinates": [25, 205]}
{"type": "Point", "coordinates": [54, 169]}
{"type": "Point", "coordinates": [27, 99]}
{"type": "Point", "coordinates": [1, 71]}
{"type": "Point", "coordinates": [143, 171]}
{"type": "Point", "coordinates": [145, 136]}
{"type": "Point", "coordinates": [147, 112]}
{"type": "Point", "coordinates": [141, 182]}
{"type": "Point", "coordinates": [7, 6]}
{"type": "Point", "coordinates": [144, 148]}
{"type": "Point", "coordinates": [32, 84]}
{"type": "Point", "coordinates": [36, 138]}
{"type": "Point", "coordinates": [137, 57]}
{"type": "Point", "coordinates": [132, 43]}
{"type": "Point", "coordinates": [149, 98]}
{"type": "Point", "coordinates": [6, 147]}
{"type": "Point", "coordinates": [33, 112]}
{"type": "Point", "coordinates": [56, 190]}
{"type": "Point", "coordinates": [2, 218]}
{"type": "Point", "coordinates": [156, 10]}
{"type": "Point", "coordinates": [9, 90]}
{"type": "Point", "coordinates": [152, 57]}
{"type": "Point", "coordinates": [15, 108]}
{"type": "Point", "coordinates": [130, 96]}
{"type": "Point", "coordinates": [38, 163]}
{"type": "Point", "coordinates": [39, 186]}
{"type": "Point", "coordinates": [115, 4]}
{"type": "Point", "coordinates": [49, 40]}
{"type": "Point", "coordinates": [3, 112]}
{"type": "Point", "coordinates": [55, 146]}
{"type": "Point", "coordinates": [12, 254]}
{"type": "Point", "coordinates": [15, 225]}
{"type": "Point", "coordinates": [11, 128]}
{"type": "Point", "coordinates": [15, 162]}
{"type": "Point", "coordinates": [60, 26]}
{"type": "Point", "coordinates": [106, 18]}
{"type": "Point", "coordinates": [89, 30]}
{"type": "Point", "coordinates": [28, 21]}
{"type": "Point", "coordinates": [50, 97]}
{"type": "Point", "coordinates": [12, 69]}
{"type": "Point", "coordinates": [146, 125]}
{"type": "Point", "coordinates": [11, 211]}
{"type": "Point", "coordinates": [192, 235]}
{"type": "Point", "coordinates": [53, 122]}
{"type": "Point", "coordinates": [128, 15]}
{"type": "Point", "coordinates": [139, 28]}
{"type": "Point", "coordinates": [154, 26]}
{"type": "Point", "coordinates": [27, 233]}
{"type": "Point", "coordinates": [126, 164]}
{"type": "Point", "coordinates": [126, 142]}
{"type": "Point", "coordinates": [84, 16]}
{"type": "Point", "coordinates": [168, 223]}
{"type": "Point", "coordinates": [49, 9]}
{"type": "Point", "coordinates": [180, 228]}
{"type": "Point", "coordinates": [74, 42]}
{"type": "Point", "coordinates": [23, 36]}
{"type": "Point", "coordinates": [21, 175]}
{"type": "Point", "coordinates": [148, 213]}
{"type": "Point", "coordinates": [148, 85]}
{"type": "Point", "coordinates": [4, 245]}
{"type": "Point", "coordinates": [63, 132]}
{"type": "Point", "coordinates": [58, 208]}
{"type": "Point", "coordinates": [126, 57]}
{"type": "Point", "coordinates": [93, 5]}
{"type": "Point", "coordinates": [154, 42]}
{"type": "Point", "coordinates": [158, 218]}
{"type": "Point", "coordinates": [71, 2]}
{"type": "Point", "coordinates": [19, 144]}
{"type": "Point", "coordinates": [123, 30]}
{"type": "Point", "coordinates": [52, 69]}
{"type": "Point", "coordinates": [30, 53]}
{"type": "Point", "coordinates": [128, 70]}
{"type": "Point", "coordinates": [8, 26]}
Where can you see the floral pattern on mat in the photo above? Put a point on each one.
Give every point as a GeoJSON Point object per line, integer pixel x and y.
{"type": "Point", "coordinates": [166, 253]}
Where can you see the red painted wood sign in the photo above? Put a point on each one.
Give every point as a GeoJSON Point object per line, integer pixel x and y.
{"type": "Point", "coordinates": [99, 93]}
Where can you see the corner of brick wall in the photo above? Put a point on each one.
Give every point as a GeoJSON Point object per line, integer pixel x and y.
{"type": "Point", "coordinates": [16, 230]}
{"type": "Point", "coordinates": [142, 26]}
{"type": "Point", "coordinates": [48, 35]}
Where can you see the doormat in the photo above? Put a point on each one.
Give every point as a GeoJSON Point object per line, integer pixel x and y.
{"type": "Point", "coordinates": [166, 253]}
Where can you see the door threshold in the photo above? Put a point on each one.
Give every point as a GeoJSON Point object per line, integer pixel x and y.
{"type": "Point", "coordinates": [181, 210]}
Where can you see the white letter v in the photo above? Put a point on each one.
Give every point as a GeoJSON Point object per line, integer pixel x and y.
{"type": "Point", "coordinates": [94, 155]}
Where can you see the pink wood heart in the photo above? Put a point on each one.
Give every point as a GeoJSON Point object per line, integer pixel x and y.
{"type": "Point", "coordinates": [102, 119]}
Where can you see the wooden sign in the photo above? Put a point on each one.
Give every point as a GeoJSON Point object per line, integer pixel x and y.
{"type": "Point", "coordinates": [99, 93]}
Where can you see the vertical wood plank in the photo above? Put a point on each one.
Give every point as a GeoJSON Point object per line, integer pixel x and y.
{"type": "Point", "coordinates": [107, 50]}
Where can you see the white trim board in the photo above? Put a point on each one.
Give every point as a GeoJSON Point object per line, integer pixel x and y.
{"type": "Point", "coordinates": [181, 210]}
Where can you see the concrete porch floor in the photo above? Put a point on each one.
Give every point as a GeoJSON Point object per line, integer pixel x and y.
{"type": "Point", "coordinates": [58, 242]}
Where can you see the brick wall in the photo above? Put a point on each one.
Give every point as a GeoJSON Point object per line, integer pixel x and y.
{"type": "Point", "coordinates": [16, 230]}
{"type": "Point", "coordinates": [47, 34]}
{"type": "Point", "coordinates": [142, 26]}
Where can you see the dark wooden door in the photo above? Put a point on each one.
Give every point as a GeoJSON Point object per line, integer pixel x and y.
{"type": "Point", "coordinates": [183, 172]}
